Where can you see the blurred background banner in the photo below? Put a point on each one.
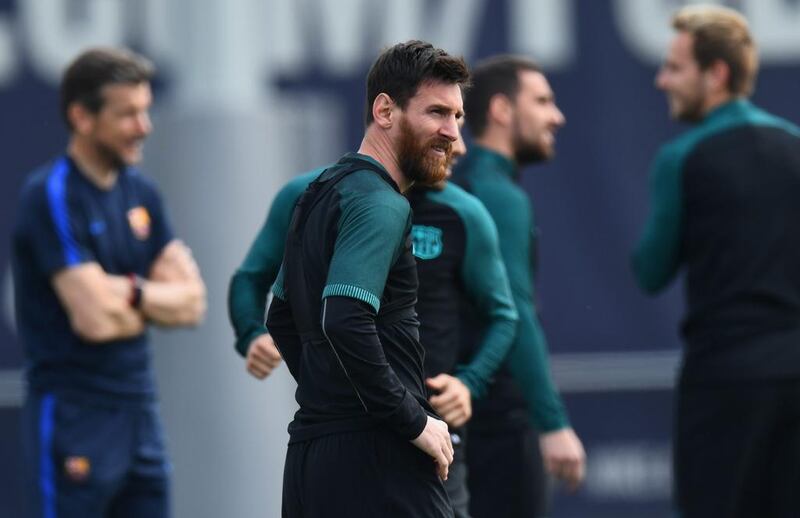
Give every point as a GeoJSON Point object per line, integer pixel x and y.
{"type": "Point", "coordinates": [251, 92]}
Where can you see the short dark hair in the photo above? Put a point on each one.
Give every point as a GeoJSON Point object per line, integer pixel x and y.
{"type": "Point", "coordinates": [85, 77]}
{"type": "Point", "coordinates": [400, 70]}
{"type": "Point", "coordinates": [492, 76]}
{"type": "Point", "coordinates": [721, 33]}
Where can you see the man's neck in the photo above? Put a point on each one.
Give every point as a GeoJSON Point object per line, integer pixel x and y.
{"type": "Point", "coordinates": [498, 143]}
{"type": "Point", "coordinates": [714, 101]}
{"type": "Point", "coordinates": [378, 146]}
{"type": "Point", "coordinates": [91, 164]}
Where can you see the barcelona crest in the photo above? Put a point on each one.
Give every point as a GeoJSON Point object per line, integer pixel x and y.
{"type": "Point", "coordinates": [77, 468]}
{"type": "Point", "coordinates": [427, 242]}
{"type": "Point", "coordinates": [139, 220]}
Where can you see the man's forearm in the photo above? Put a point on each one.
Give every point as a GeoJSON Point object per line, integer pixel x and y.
{"type": "Point", "coordinates": [529, 363]}
{"type": "Point", "coordinates": [177, 303]}
{"type": "Point", "coordinates": [247, 296]}
{"type": "Point", "coordinates": [349, 325]}
{"type": "Point", "coordinates": [97, 303]}
{"type": "Point", "coordinates": [497, 342]}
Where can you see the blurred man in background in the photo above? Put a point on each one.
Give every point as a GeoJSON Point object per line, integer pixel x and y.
{"type": "Point", "coordinates": [458, 257]}
{"type": "Point", "coordinates": [343, 309]}
{"type": "Point", "coordinates": [725, 205]}
{"type": "Point", "coordinates": [95, 261]}
{"type": "Point", "coordinates": [513, 119]}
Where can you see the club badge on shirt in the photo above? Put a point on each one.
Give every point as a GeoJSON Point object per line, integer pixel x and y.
{"type": "Point", "coordinates": [139, 219]}
{"type": "Point", "coordinates": [427, 241]}
{"type": "Point", "coordinates": [77, 468]}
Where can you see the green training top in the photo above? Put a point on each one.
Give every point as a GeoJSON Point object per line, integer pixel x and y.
{"type": "Point", "coordinates": [491, 178]}
{"type": "Point", "coordinates": [250, 284]}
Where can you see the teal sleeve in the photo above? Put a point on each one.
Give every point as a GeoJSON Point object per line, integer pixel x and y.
{"type": "Point", "coordinates": [250, 284]}
{"type": "Point", "coordinates": [277, 287]}
{"type": "Point", "coordinates": [528, 358]}
{"type": "Point", "coordinates": [484, 277]}
{"type": "Point", "coordinates": [529, 364]}
{"type": "Point", "coordinates": [371, 231]}
{"type": "Point", "coordinates": [656, 258]}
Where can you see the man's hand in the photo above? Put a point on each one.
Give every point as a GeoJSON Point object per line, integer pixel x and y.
{"type": "Point", "coordinates": [563, 456]}
{"type": "Point", "coordinates": [452, 400]}
{"type": "Point", "coordinates": [262, 356]}
{"type": "Point", "coordinates": [435, 441]}
{"type": "Point", "coordinates": [175, 263]}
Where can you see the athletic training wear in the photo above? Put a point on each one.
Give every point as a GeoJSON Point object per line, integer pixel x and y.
{"type": "Point", "coordinates": [724, 200]}
{"type": "Point", "coordinates": [725, 206]}
{"type": "Point", "coordinates": [92, 436]}
{"type": "Point", "coordinates": [64, 220]}
{"type": "Point", "coordinates": [491, 178]}
{"type": "Point", "coordinates": [343, 315]}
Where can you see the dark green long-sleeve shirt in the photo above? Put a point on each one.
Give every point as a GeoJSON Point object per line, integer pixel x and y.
{"type": "Point", "coordinates": [250, 284]}
{"type": "Point", "coordinates": [491, 177]}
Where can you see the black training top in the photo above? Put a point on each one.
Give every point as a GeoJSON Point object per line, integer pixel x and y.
{"type": "Point", "coordinates": [343, 314]}
{"type": "Point", "coordinates": [726, 204]}
{"type": "Point", "coordinates": [458, 260]}
{"type": "Point", "coordinates": [64, 220]}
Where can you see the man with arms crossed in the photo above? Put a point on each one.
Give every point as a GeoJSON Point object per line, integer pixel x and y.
{"type": "Point", "coordinates": [343, 309]}
{"type": "Point", "coordinates": [726, 206]}
{"type": "Point", "coordinates": [95, 262]}
{"type": "Point", "coordinates": [513, 118]}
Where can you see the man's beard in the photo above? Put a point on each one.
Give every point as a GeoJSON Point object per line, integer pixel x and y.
{"type": "Point", "coordinates": [691, 106]}
{"type": "Point", "coordinates": [691, 110]}
{"type": "Point", "coordinates": [109, 156]}
{"type": "Point", "coordinates": [527, 152]}
{"type": "Point", "coordinates": [416, 160]}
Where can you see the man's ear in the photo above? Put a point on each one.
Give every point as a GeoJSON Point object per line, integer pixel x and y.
{"type": "Point", "coordinates": [383, 110]}
{"type": "Point", "coordinates": [717, 76]}
{"type": "Point", "coordinates": [81, 119]}
{"type": "Point", "coordinates": [500, 110]}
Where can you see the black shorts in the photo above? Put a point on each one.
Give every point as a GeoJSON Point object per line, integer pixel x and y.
{"type": "Point", "coordinates": [456, 483]}
{"type": "Point", "coordinates": [506, 475]}
{"type": "Point", "coordinates": [737, 450]}
{"type": "Point", "coordinates": [92, 459]}
{"type": "Point", "coordinates": [367, 473]}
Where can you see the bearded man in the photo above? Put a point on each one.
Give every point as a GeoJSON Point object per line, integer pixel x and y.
{"type": "Point", "coordinates": [343, 312]}
{"type": "Point", "coordinates": [724, 209]}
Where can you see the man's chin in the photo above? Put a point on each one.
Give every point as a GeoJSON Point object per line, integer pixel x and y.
{"type": "Point", "coordinates": [684, 112]}
{"type": "Point", "coordinates": [535, 155]}
{"type": "Point", "coordinates": [130, 158]}
{"type": "Point", "coordinates": [690, 116]}
{"type": "Point", "coordinates": [432, 177]}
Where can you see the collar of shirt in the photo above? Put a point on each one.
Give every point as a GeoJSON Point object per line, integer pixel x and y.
{"type": "Point", "coordinates": [735, 106]}
{"type": "Point", "coordinates": [383, 173]}
{"type": "Point", "coordinates": [485, 161]}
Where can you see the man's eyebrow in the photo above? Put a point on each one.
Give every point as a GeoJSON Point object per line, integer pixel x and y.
{"type": "Point", "coordinates": [444, 107]}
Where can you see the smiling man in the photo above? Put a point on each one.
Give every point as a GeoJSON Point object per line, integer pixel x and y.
{"type": "Point", "coordinates": [343, 312]}
{"type": "Point", "coordinates": [95, 262]}
{"type": "Point", "coordinates": [725, 206]}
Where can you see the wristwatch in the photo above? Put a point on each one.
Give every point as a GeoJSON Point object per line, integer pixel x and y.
{"type": "Point", "coordinates": [137, 282]}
